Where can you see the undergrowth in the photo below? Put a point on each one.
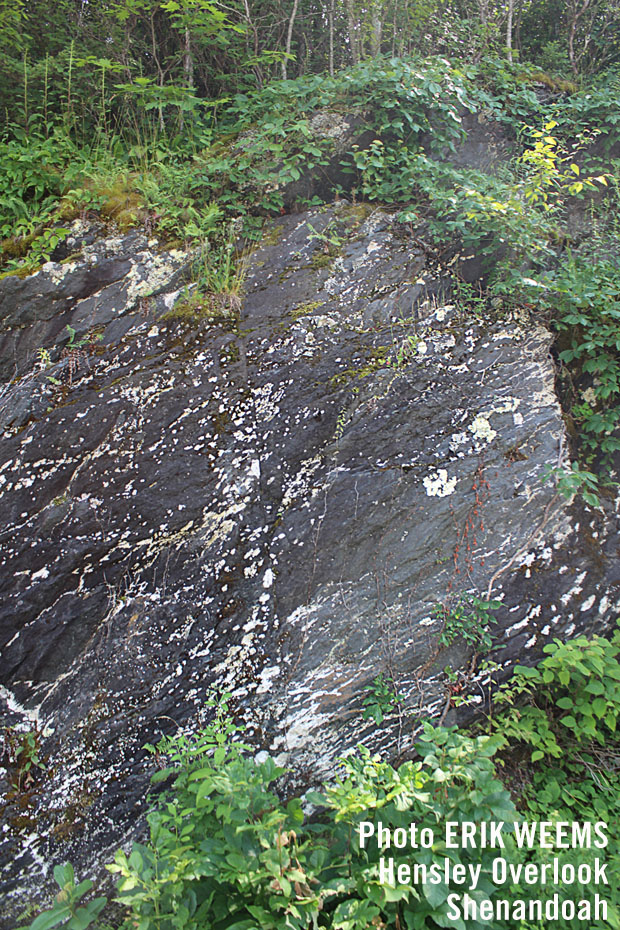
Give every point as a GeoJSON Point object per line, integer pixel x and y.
{"type": "Point", "coordinates": [225, 851]}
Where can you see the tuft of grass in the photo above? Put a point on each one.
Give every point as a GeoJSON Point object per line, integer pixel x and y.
{"type": "Point", "coordinates": [199, 305]}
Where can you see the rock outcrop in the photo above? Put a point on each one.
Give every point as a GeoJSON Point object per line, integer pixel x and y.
{"type": "Point", "coordinates": [271, 505]}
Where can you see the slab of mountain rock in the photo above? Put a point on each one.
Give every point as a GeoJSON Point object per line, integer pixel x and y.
{"type": "Point", "coordinates": [273, 502]}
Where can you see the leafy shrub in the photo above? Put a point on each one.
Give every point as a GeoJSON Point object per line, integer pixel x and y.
{"type": "Point", "coordinates": [554, 57]}
{"type": "Point", "coordinates": [34, 174]}
{"type": "Point", "coordinates": [569, 723]}
{"type": "Point", "coordinates": [382, 698]}
{"type": "Point", "coordinates": [572, 696]}
{"type": "Point", "coordinates": [584, 297]}
{"type": "Point", "coordinates": [574, 480]}
{"type": "Point", "coordinates": [594, 108]}
{"type": "Point", "coordinates": [225, 852]}
{"type": "Point", "coordinates": [223, 849]}
{"type": "Point", "coordinates": [467, 620]}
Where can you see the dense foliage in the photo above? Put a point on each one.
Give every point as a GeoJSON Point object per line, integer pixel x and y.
{"type": "Point", "coordinates": [172, 53]}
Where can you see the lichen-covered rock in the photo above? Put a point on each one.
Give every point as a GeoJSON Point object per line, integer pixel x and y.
{"type": "Point", "coordinates": [272, 508]}
{"type": "Point", "coordinates": [102, 280]}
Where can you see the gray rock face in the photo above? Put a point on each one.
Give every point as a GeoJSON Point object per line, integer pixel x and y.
{"type": "Point", "coordinates": [485, 145]}
{"type": "Point", "coordinates": [273, 508]}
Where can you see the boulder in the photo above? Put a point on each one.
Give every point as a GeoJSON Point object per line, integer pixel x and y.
{"type": "Point", "coordinates": [274, 506]}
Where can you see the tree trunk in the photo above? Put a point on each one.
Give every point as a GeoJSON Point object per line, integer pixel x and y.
{"type": "Point", "coordinates": [353, 30]}
{"type": "Point", "coordinates": [330, 17]}
{"type": "Point", "coordinates": [509, 29]}
{"type": "Point", "coordinates": [575, 16]}
{"type": "Point", "coordinates": [188, 61]}
{"type": "Point", "coordinates": [160, 72]}
{"type": "Point", "coordinates": [376, 27]}
{"type": "Point", "coordinates": [289, 38]}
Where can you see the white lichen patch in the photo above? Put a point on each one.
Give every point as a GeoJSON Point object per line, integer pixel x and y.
{"type": "Point", "coordinates": [219, 526]}
{"type": "Point", "coordinates": [438, 484]}
{"type": "Point", "coordinates": [301, 483]}
{"type": "Point", "coordinates": [481, 429]}
{"type": "Point", "coordinates": [58, 271]}
{"type": "Point", "coordinates": [507, 405]}
{"type": "Point", "coordinates": [576, 589]}
{"type": "Point", "coordinates": [41, 575]}
{"type": "Point", "coordinates": [144, 279]}
{"type": "Point", "coordinates": [458, 439]}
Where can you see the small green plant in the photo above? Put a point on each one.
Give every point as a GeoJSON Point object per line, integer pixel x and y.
{"type": "Point", "coordinates": [73, 343]}
{"type": "Point", "coordinates": [43, 245]}
{"type": "Point", "coordinates": [456, 687]}
{"type": "Point", "coordinates": [196, 304]}
{"type": "Point", "coordinates": [573, 481]}
{"type": "Point", "coordinates": [330, 241]}
{"type": "Point", "coordinates": [408, 347]}
{"type": "Point", "coordinates": [469, 619]}
{"type": "Point", "coordinates": [382, 699]}
{"type": "Point", "coordinates": [469, 297]}
{"type": "Point", "coordinates": [22, 753]}
{"type": "Point", "coordinates": [44, 357]}
{"type": "Point", "coordinates": [218, 276]}
{"type": "Point", "coordinates": [65, 912]}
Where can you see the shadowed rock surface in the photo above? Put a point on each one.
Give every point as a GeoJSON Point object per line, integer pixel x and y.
{"type": "Point", "coordinates": [271, 506]}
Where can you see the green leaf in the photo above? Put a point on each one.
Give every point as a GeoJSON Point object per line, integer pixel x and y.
{"type": "Point", "coordinates": [435, 894]}
{"type": "Point", "coordinates": [50, 918]}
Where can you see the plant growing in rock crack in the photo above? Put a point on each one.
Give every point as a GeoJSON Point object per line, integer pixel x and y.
{"type": "Point", "coordinates": [330, 241]}
{"type": "Point", "coordinates": [468, 297]}
{"type": "Point", "coordinates": [409, 346]}
{"type": "Point", "coordinates": [218, 276]}
{"type": "Point", "coordinates": [75, 349]}
{"type": "Point", "coordinates": [457, 682]}
{"type": "Point", "coordinates": [381, 699]}
{"type": "Point", "coordinates": [22, 755]}
{"type": "Point", "coordinates": [44, 357]}
{"type": "Point", "coordinates": [331, 245]}
{"type": "Point", "coordinates": [573, 481]}
{"type": "Point", "coordinates": [469, 619]}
